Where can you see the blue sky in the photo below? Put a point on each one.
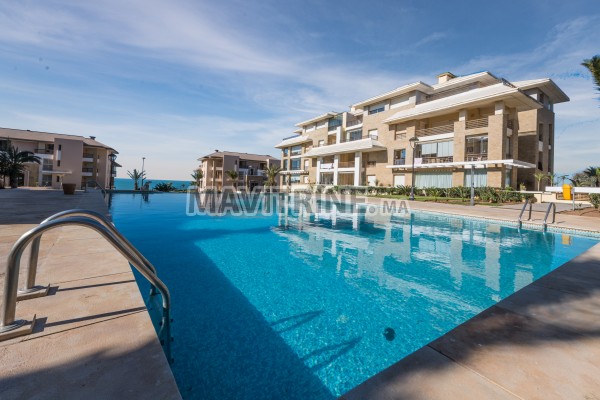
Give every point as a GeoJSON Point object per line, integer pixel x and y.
{"type": "Point", "coordinates": [174, 80]}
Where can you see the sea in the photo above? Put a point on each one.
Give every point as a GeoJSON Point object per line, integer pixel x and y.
{"type": "Point", "coordinates": [127, 183]}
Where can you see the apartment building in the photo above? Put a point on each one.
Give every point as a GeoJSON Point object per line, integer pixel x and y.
{"type": "Point", "coordinates": [249, 167]}
{"type": "Point", "coordinates": [476, 127]}
{"type": "Point", "coordinates": [64, 158]}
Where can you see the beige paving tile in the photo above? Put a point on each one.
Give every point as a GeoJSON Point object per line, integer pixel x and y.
{"type": "Point", "coordinates": [57, 269]}
{"type": "Point", "coordinates": [575, 311]}
{"type": "Point", "coordinates": [531, 359]}
{"type": "Point", "coordinates": [426, 374]}
{"type": "Point", "coordinates": [78, 303]}
{"type": "Point", "coordinates": [116, 359]}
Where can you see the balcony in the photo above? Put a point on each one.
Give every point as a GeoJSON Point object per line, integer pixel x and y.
{"type": "Point", "coordinates": [438, 130]}
{"type": "Point", "coordinates": [477, 123]}
{"type": "Point", "coordinates": [355, 138]}
{"type": "Point", "coordinates": [400, 161]}
{"type": "Point", "coordinates": [346, 164]}
{"type": "Point", "coordinates": [476, 157]}
{"type": "Point", "coordinates": [436, 160]}
{"type": "Point", "coordinates": [43, 151]}
{"type": "Point", "coordinates": [353, 122]}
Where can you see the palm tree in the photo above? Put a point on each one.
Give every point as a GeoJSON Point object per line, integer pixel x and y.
{"type": "Point", "coordinates": [197, 175]}
{"type": "Point", "coordinates": [13, 162]}
{"type": "Point", "coordinates": [593, 65]}
{"type": "Point", "coordinates": [233, 175]}
{"type": "Point", "coordinates": [539, 177]}
{"type": "Point", "coordinates": [271, 172]}
{"type": "Point", "coordinates": [594, 174]}
{"type": "Point", "coordinates": [136, 176]}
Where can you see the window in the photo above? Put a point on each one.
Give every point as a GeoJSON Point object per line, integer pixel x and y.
{"type": "Point", "coordinates": [376, 108]}
{"type": "Point", "coordinates": [294, 179]}
{"type": "Point", "coordinates": [296, 150]}
{"type": "Point", "coordinates": [306, 165]}
{"type": "Point", "coordinates": [295, 164]}
{"type": "Point", "coordinates": [58, 177]}
{"type": "Point", "coordinates": [550, 133]}
{"type": "Point", "coordinates": [285, 165]}
{"type": "Point", "coordinates": [60, 147]}
{"type": "Point", "coordinates": [541, 132]}
{"type": "Point", "coordinates": [400, 157]}
{"type": "Point", "coordinates": [286, 151]}
{"type": "Point", "coordinates": [333, 123]}
{"type": "Point", "coordinates": [373, 134]}
{"type": "Point", "coordinates": [58, 163]}
{"type": "Point", "coordinates": [477, 148]}
{"type": "Point", "coordinates": [436, 151]}
{"type": "Point", "coordinates": [479, 177]}
{"type": "Point", "coordinates": [354, 135]}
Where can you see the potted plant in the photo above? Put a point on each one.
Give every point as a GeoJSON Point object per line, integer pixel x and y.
{"type": "Point", "coordinates": [68, 188]}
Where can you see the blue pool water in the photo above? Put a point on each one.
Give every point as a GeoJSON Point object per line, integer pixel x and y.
{"type": "Point", "coordinates": [268, 307]}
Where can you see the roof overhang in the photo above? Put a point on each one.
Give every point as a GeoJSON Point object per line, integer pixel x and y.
{"type": "Point", "coordinates": [420, 86]}
{"type": "Point", "coordinates": [546, 85]}
{"type": "Point", "coordinates": [317, 119]}
{"type": "Point", "coordinates": [466, 164]}
{"type": "Point", "coordinates": [293, 141]}
{"type": "Point", "coordinates": [512, 96]}
{"type": "Point", "coordinates": [364, 145]}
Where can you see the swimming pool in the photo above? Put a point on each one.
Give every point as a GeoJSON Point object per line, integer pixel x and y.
{"type": "Point", "coordinates": [308, 307]}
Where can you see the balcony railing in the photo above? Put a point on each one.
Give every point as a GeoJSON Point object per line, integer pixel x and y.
{"type": "Point", "coordinates": [44, 151]}
{"type": "Point", "coordinates": [353, 122]}
{"type": "Point", "coordinates": [355, 138]}
{"type": "Point", "coordinates": [87, 170]}
{"type": "Point", "coordinates": [346, 164]}
{"type": "Point", "coordinates": [88, 155]}
{"type": "Point", "coordinates": [438, 130]}
{"type": "Point", "coordinates": [477, 123]}
{"type": "Point", "coordinates": [400, 161]}
{"type": "Point", "coordinates": [434, 160]}
{"type": "Point", "coordinates": [476, 157]}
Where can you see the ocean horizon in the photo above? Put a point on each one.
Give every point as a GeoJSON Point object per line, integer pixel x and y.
{"type": "Point", "coordinates": [127, 183]}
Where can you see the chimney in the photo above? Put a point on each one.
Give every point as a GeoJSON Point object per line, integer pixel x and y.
{"type": "Point", "coordinates": [216, 150]}
{"type": "Point", "coordinates": [93, 137]}
{"type": "Point", "coordinates": [445, 77]}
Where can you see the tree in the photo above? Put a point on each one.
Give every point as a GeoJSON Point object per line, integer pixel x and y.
{"type": "Point", "coordinates": [540, 177]}
{"type": "Point", "coordinates": [593, 65]}
{"type": "Point", "coordinates": [136, 176]}
{"type": "Point", "coordinates": [164, 187]}
{"type": "Point", "coordinates": [272, 171]}
{"type": "Point", "coordinates": [197, 175]}
{"type": "Point", "coordinates": [13, 162]}
{"type": "Point", "coordinates": [3, 162]}
{"type": "Point", "coordinates": [594, 174]}
{"type": "Point", "coordinates": [233, 175]}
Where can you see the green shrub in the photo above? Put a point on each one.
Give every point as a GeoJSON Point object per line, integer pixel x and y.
{"type": "Point", "coordinates": [595, 200]}
{"type": "Point", "coordinates": [164, 187]}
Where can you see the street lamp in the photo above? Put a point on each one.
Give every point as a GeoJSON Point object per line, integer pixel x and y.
{"type": "Point", "coordinates": [111, 182]}
{"type": "Point", "coordinates": [143, 160]}
{"type": "Point", "coordinates": [413, 144]}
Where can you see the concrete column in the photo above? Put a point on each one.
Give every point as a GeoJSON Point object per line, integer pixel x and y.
{"type": "Point", "coordinates": [462, 115]}
{"type": "Point", "coordinates": [336, 160]}
{"type": "Point", "coordinates": [499, 107]}
{"type": "Point", "coordinates": [318, 177]}
{"type": "Point", "coordinates": [338, 134]}
{"type": "Point", "coordinates": [357, 167]}
{"type": "Point", "coordinates": [213, 173]}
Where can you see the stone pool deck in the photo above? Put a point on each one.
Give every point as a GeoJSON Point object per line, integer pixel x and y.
{"type": "Point", "coordinates": [542, 342]}
{"type": "Point", "coordinates": [93, 337]}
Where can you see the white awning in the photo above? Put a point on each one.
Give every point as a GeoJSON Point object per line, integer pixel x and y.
{"type": "Point", "coordinates": [465, 164]}
{"type": "Point", "coordinates": [367, 144]}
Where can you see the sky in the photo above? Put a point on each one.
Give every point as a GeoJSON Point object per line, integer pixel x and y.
{"type": "Point", "coordinates": [174, 80]}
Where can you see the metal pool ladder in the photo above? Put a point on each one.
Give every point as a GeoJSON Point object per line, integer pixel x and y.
{"type": "Point", "coordinates": [527, 202]}
{"type": "Point", "coordinates": [11, 327]}
{"type": "Point", "coordinates": [552, 207]}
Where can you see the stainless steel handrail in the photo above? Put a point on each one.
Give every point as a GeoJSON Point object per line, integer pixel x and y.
{"type": "Point", "coordinates": [11, 281]}
{"type": "Point", "coordinates": [527, 202]}
{"type": "Point", "coordinates": [31, 287]}
{"type": "Point", "coordinates": [551, 206]}
{"type": "Point", "coordinates": [96, 184]}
